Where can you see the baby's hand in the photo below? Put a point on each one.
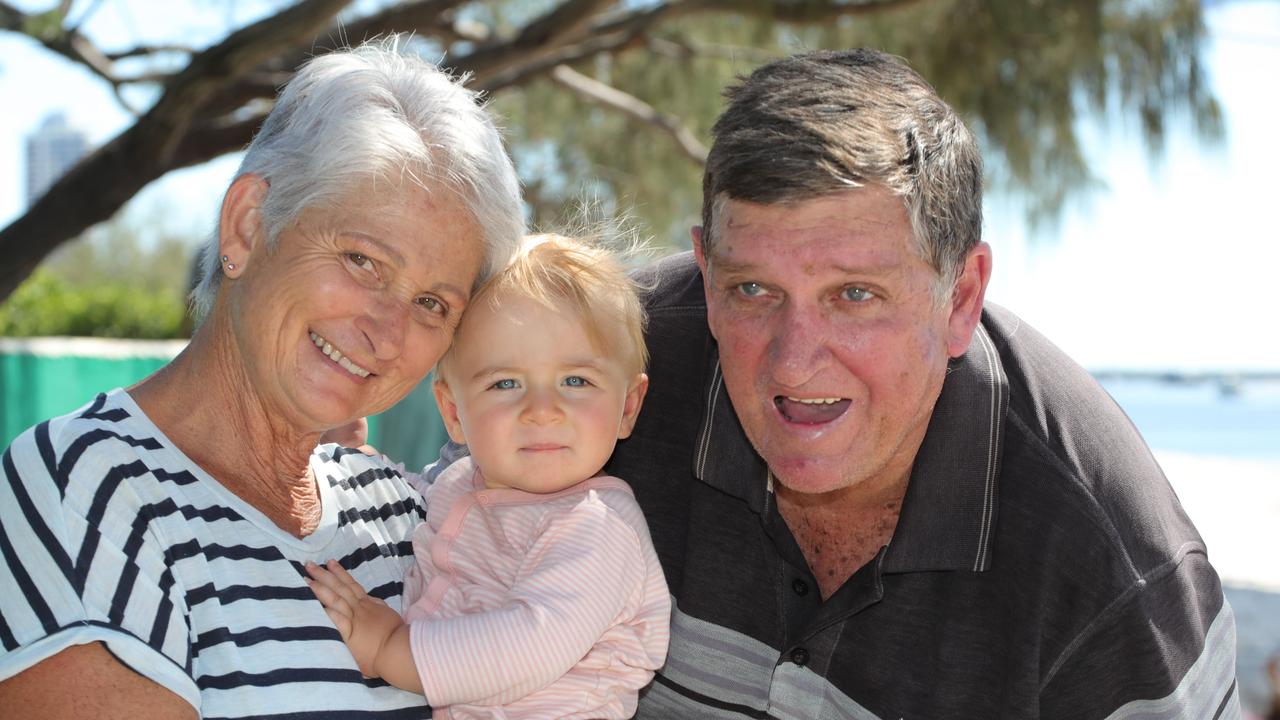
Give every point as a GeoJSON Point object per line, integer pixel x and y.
{"type": "Point", "coordinates": [365, 623]}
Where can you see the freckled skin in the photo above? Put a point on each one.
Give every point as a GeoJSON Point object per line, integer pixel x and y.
{"type": "Point", "coordinates": [827, 299]}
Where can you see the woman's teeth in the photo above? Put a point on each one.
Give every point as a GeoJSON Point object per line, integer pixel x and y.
{"type": "Point", "coordinates": [337, 357]}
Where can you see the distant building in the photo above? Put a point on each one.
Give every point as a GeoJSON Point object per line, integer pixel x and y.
{"type": "Point", "coordinates": [51, 150]}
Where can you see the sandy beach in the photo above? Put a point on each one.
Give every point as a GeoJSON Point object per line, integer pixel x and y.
{"type": "Point", "coordinates": [1235, 503]}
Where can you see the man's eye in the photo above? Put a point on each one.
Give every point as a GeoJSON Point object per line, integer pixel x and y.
{"type": "Point", "coordinates": [577, 381]}
{"type": "Point", "coordinates": [856, 294]}
{"type": "Point", "coordinates": [750, 289]}
{"type": "Point", "coordinates": [360, 261]}
{"type": "Point", "coordinates": [505, 384]}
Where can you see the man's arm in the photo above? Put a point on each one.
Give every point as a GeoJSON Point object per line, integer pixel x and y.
{"type": "Point", "coordinates": [86, 681]}
{"type": "Point", "coordinates": [1164, 649]}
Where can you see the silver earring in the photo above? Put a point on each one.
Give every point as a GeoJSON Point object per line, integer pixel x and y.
{"type": "Point", "coordinates": [230, 265]}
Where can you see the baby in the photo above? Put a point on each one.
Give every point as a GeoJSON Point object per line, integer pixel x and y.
{"type": "Point", "coordinates": [536, 590]}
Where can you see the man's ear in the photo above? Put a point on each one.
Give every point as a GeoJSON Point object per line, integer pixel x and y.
{"type": "Point", "coordinates": [695, 232]}
{"type": "Point", "coordinates": [448, 410]}
{"type": "Point", "coordinates": [240, 222]}
{"type": "Point", "coordinates": [703, 260]}
{"type": "Point", "coordinates": [966, 299]}
{"type": "Point", "coordinates": [631, 406]}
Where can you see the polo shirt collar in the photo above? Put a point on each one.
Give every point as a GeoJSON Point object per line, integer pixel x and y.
{"type": "Point", "coordinates": [950, 508]}
{"type": "Point", "coordinates": [949, 513]}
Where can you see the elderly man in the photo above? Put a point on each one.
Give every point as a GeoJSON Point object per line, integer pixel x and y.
{"type": "Point", "coordinates": [874, 496]}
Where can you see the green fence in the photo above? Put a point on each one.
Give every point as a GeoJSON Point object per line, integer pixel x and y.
{"type": "Point", "coordinates": [44, 377]}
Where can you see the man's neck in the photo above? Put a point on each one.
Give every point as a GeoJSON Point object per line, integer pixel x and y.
{"type": "Point", "coordinates": [840, 531]}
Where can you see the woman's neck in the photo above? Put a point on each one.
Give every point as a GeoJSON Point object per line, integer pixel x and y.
{"type": "Point", "coordinates": [204, 403]}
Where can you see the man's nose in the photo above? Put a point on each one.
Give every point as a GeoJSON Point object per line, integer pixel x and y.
{"type": "Point", "coordinates": [798, 347]}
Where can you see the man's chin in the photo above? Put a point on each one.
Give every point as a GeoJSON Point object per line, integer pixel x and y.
{"type": "Point", "coordinates": [807, 475]}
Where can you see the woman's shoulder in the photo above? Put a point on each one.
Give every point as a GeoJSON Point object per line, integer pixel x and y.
{"type": "Point", "coordinates": [71, 455]}
{"type": "Point", "coordinates": [358, 479]}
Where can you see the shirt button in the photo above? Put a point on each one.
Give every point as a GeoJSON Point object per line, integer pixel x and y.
{"type": "Point", "coordinates": [801, 587]}
{"type": "Point", "coordinates": [800, 656]}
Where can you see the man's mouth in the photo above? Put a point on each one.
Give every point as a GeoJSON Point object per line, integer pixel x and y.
{"type": "Point", "coordinates": [337, 357]}
{"type": "Point", "coordinates": [810, 411]}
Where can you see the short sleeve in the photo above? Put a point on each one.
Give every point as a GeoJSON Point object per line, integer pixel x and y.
{"type": "Point", "coordinates": [1165, 648]}
{"type": "Point", "coordinates": [80, 560]}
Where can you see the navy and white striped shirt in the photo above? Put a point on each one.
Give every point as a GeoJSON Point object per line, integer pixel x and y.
{"type": "Point", "coordinates": [110, 534]}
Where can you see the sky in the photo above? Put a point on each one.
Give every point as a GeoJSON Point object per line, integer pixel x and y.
{"type": "Point", "coordinates": [1171, 266]}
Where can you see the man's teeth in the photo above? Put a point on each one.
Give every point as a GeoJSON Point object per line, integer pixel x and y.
{"type": "Point", "coordinates": [337, 357]}
{"type": "Point", "coordinates": [815, 401]}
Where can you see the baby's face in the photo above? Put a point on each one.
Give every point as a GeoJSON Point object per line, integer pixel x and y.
{"type": "Point", "coordinates": [537, 404]}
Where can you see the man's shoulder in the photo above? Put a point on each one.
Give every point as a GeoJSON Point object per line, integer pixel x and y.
{"type": "Point", "coordinates": [672, 284]}
{"type": "Point", "coordinates": [1071, 456]}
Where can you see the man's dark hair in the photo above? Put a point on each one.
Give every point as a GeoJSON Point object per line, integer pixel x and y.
{"type": "Point", "coordinates": [819, 123]}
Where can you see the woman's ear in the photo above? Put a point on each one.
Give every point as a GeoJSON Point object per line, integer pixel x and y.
{"type": "Point", "coordinates": [448, 410]}
{"type": "Point", "coordinates": [240, 222]}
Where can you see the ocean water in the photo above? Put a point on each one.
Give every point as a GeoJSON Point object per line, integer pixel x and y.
{"type": "Point", "coordinates": [1219, 418]}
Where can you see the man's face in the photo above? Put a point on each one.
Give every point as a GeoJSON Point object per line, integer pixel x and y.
{"type": "Point", "coordinates": [832, 347]}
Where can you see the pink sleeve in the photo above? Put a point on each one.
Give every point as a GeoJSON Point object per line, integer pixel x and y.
{"type": "Point", "coordinates": [581, 573]}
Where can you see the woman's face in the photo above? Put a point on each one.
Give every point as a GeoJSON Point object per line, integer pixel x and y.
{"type": "Point", "coordinates": [355, 304]}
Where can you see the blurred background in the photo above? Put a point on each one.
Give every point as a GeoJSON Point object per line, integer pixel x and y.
{"type": "Point", "coordinates": [1131, 160]}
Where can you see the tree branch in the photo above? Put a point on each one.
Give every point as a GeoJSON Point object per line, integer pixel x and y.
{"type": "Point", "coordinates": [241, 51]}
{"type": "Point", "coordinates": [224, 81]}
{"type": "Point", "coordinates": [144, 50]}
{"type": "Point", "coordinates": [46, 28]}
{"type": "Point", "coordinates": [683, 49]}
{"type": "Point", "coordinates": [631, 106]}
{"type": "Point", "coordinates": [521, 74]}
{"type": "Point", "coordinates": [567, 21]}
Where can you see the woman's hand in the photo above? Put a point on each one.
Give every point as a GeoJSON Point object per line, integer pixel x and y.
{"type": "Point", "coordinates": [365, 623]}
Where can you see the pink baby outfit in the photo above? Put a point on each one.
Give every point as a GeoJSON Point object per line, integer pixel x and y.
{"type": "Point", "coordinates": [534, 606]}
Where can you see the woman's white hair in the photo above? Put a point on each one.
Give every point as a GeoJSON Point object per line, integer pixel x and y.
{"type": "Point", "coordinates": [376, 113]}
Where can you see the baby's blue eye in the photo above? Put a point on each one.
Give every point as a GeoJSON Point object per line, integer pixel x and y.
{"type": "Point", "coordinates": [505, 384]}
{"type": "Point", "coordinates": [576, 381]}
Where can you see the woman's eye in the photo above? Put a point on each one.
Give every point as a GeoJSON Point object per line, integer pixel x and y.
{"type": "Point", "coordinates": [505, 384]}
{"type": "Point", "coordinates": [431, 305]}
{"type": "Point", "coordinates": [750, 289]}
{"type": "Point", "coordinates": [856, 294]}
{"type": "Point", "coordinates": [577, 381]}
{"type": "Point", "coordinates": [360, 261]}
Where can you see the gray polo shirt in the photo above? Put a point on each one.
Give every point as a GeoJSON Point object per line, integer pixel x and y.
{"type": "Point", "coordinates": [1041, 567]}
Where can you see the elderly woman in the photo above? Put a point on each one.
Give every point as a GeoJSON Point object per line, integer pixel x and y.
{"type": "Point", "coordinates": [153, 541]}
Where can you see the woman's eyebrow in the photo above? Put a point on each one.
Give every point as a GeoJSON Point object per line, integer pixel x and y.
{"type": "Point", "coordinates": [391, 253]}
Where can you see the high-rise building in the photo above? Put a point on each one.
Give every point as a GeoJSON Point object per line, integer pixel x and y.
{"type": "Point", "coordinates": [51, 150]}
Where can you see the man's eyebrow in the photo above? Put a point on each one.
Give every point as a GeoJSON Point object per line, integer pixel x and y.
{"type": "Point", "coordinates": [889, 267]}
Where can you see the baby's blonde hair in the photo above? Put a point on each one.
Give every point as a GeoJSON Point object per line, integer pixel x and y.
{"type": "Point", "coordinates": [579, 274]}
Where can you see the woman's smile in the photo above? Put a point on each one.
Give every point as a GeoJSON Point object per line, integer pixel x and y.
{"type": "Point", "coordinates": [335, 355]}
